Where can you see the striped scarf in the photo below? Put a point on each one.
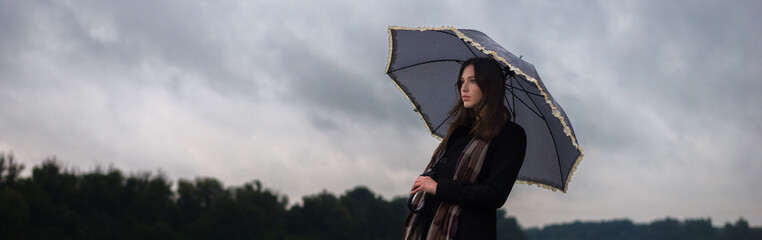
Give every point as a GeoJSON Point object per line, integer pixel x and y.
{"type": "Point", "coordinates": [445, 222]}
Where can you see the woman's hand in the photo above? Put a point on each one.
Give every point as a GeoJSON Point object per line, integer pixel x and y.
{"type": "Point", "coordinates": [425, 184]}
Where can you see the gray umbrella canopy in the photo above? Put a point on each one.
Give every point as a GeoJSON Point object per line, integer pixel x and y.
{"type": "Point", "coordinates": [424, 65]}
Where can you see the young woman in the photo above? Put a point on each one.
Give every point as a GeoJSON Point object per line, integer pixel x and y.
{"type": "Point", "coordinates": [474, 168]}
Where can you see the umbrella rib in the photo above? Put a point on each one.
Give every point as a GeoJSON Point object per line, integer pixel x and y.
{"type": "Point", "coordinates": [440, 60]}
{"type": "Point", "coordinates": [525, 104]}
{"type": "Point", "coordinates": [555, 145]}
{"type": "Point", "coordinates": [521, 89]}
{"type": "Point", "coordinates": [426, 62]}
{"type": "Point", "coordinates": [469, 48]}
{"type": "Point", "coordinates": [513, 97]}
{"type": "Point", "coordinates": [440, 124]}
{"type": "Point", "coordinates": [464, 43]}
{"type": "Point", "coordinates": [511, 109]}
{"type": "Point", "coordinates": [530, 99]}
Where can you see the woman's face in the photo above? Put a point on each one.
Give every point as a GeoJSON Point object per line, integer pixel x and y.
{"type": "Point", "coordinates": [470, 93]}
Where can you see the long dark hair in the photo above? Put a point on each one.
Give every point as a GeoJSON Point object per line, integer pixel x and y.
{"type": "Point", "coordinates": [490, 78]}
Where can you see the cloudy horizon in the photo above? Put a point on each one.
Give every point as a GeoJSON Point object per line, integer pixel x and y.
{"type": "Point", "coordinates": [662, 96]}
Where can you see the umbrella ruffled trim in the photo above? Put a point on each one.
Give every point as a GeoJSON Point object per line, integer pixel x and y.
{"type": "Point", "coordinates": [556, 113]}
{"type": "Point", "coordinates": [396, 84]}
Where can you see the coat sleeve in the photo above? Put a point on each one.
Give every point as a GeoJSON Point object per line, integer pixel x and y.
{"type": "Point", "coordinates": [501, 175]}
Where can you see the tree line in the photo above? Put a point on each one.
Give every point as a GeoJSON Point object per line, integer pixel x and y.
{"type": "Point", "coordinates": [106, 204]}
{"type": "Point", "coordinates": [58, 203]}
{"type": "Point", "coordinates": [668, 228]}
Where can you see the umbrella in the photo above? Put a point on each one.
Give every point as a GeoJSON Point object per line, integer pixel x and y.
{"type": "Point", "coordinates": [424, 63]}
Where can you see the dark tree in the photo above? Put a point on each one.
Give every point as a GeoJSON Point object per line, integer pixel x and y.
{"type": "Point", "coordinates": [508, 228]}
{"type": "Point", "coordinates": [57, 203]}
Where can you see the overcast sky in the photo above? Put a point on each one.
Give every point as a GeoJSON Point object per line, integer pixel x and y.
{"type": "Point", "coordinates": [664, 96]}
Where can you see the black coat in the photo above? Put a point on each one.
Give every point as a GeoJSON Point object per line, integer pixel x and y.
{"type": "Point", "coordinates": [479, 200]}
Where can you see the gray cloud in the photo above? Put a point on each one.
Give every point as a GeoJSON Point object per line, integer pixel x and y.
{"type": "Point", "coordinates": [662, 96]}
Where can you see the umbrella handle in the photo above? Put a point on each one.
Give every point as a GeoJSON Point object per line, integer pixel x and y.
{"type": "Point", "coordinates": [410, 207]}
{"type": "Point", "coordinates": [429, 172]}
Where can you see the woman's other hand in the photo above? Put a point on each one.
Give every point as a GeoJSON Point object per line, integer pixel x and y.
{"type": "Point", "coordinates": [425, 184]}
